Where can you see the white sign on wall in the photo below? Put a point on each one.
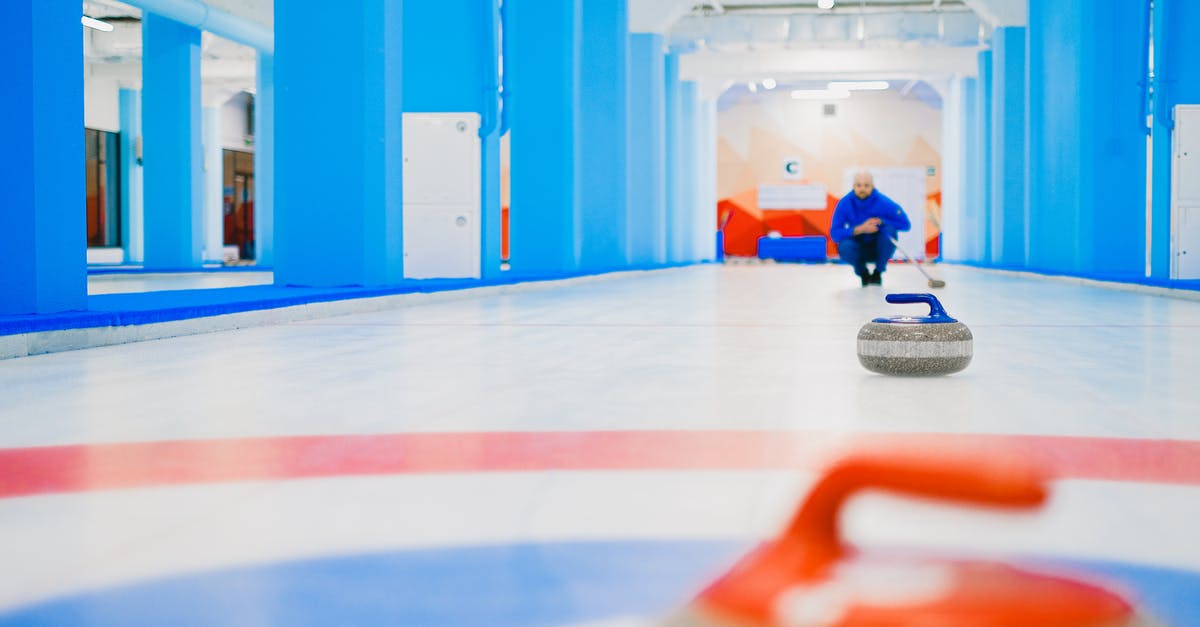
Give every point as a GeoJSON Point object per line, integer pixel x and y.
{"type": "Point", "coordinates": [793, 169]}
{"type": "Point", "coordinates": [791, 196]}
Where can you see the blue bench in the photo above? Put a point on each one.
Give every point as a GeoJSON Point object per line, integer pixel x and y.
{"type": "Point", "coordinates": [797, 248]}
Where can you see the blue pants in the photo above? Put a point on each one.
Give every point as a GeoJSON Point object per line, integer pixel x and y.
{"type": "Point", "coordinates": [860, 250]}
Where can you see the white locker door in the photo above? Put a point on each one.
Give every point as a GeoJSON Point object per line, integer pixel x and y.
{"type": "Point", "coordinates": [906, 186]}
{"type": "Point", "coordinates": [1185, 194]}
{"type": "Point", "coordinates": [442, 195]}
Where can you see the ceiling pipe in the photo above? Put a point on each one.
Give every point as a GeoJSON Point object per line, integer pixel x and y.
{"type": "Point", "coordinates": [200, 15]}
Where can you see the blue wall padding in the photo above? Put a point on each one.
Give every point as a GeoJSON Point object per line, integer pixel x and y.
{"type": "Point", "coordinates": [172, 151]}
{"type": "Point", "coordinates": [603, 131]}
{"type": "Point", "coordinates": [1086, 164]}
{"type": "Point", "coordinates": [542, 41]}
{"type": "Point", "coordinates": [42, 231]}
{"type": "Point", "coordinates": [338, 146]}
{"type": "Point", "coordinates": [1177, 81]}
{"type": "Point", "coordinates": [801, 248]}
{"type": "Point", "coordinates": [1008, 147]}
{"type": "Point", "coordinates": [647, 150]}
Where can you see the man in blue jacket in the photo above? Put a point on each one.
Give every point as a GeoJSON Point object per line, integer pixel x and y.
{"type": "Point", "coordinates": [864, 223]}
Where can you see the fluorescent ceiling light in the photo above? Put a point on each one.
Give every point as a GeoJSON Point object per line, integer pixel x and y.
{"type": "Point", "coordinates": [820, 94]}
{"type": "Point", "coordinates": [824, 4]}
{"type": "Point", "coordinates": [769, 83]}
{"type": "Point", "coordinates": [92, 22]}
{"type": "Point", "coordinates": [858, 85]}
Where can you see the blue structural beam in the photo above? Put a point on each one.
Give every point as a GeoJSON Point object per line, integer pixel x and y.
{"type": "Point", "coordinates": [172, 153]}
{"type": "Point", "coordinates": [338, 150]}
{"type": "Point", "coordinates": [675, 161]}
{"type": "Point", "coordinates": [647, 205]}
{"type": "Point", "coordinates": [1086, 145]}
{"type": "Point", "coordinates": [42, 227]}
{"type": "Point", "coordinates": [1008, 147]}
{"type": "Point", "coordinates": [603, 118]}
{"type": "Point", "coordinates": [452, 57]}
{"type": "Point", "coordinates": [970, 227]}
{"type": "Point", "coordinates": [543, 58]}
{"type": "Point", "coordinates": [1177, 81]}
{"type": "Point", "coordinates": [264, 162]}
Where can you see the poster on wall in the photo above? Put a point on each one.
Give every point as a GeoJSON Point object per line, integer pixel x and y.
{"type": "Point", "coordinates": [791, 196]}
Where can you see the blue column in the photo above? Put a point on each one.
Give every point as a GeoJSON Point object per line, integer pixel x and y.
{"type": "Point", "coordinates": [1086, 144]}
{"type": "Point", "coordinates": [42, 229]}
{"type": "Point", "coordinates": [264, 162]}
{"type": "Point", "coordinates": [689, 163]}
{"type": "Point", "coordinates": [647, 150]}
{"type": "Point", "coordinates": [981, 219]}
{"type": "Point", "coordinates": [675, 166]}
{"type": "Point", "coordinates": [543, 44]}
{"type": "Point", "coordinates": [174, 178]}
{"type": "Point", "coordinates": [131, 175]}
{"type": "Point", "coordinates": [1177, 81]}
{"type": "Point", "coordinates": [969, 211]}
{"type": "Point", "coordinates": [1008, 147]}
{"type": "Point", "coordinates": [338, 165]}
{"type": "Point", "coordinates": [460, 39]}
{"type": "Point", "coordinates": [603, 130]}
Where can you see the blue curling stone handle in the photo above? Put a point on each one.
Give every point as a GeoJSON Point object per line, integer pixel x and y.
{"type": "Point", "coordinates": [937, 315]}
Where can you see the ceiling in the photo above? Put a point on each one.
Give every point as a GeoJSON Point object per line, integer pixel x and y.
{"type": "Point", "coordinates": [723, 41]}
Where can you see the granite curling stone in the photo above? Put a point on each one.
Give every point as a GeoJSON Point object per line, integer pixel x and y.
{"type": "Point", "coordinates": [915, 346]}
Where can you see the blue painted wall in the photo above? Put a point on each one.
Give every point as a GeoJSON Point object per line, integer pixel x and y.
{"type": "Point", "coordinates": [1177, 81]}
{"type": "Point", "coordinates": [603, 132]}
{"type": "Point", "coordinates": [1086, 148]}
{"type": "Point", "coordinates": [42, 228]}
{"type": "Point", "coordinates": [338, 145]}
{"type": "Point", "coordinates": [542, 42]}
{"type": "Point", "coordinates": [172, 150]}
{"type": "Point", "coordinates": [1008, 148]}
{"type": "Point", "coordinates": [451, 64]}
{"type": "Point", "coordinates": [647, 209]}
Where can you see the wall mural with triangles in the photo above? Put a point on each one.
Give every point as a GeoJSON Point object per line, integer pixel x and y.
{"type": "Point", "coordinates": [769, 138]}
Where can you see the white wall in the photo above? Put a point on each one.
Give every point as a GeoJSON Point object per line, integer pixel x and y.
{"type": "Point", "coordinates": [101, 104]}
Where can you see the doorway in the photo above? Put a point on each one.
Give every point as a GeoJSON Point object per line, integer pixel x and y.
{"type": "Point", "coordinates": [239, 203]}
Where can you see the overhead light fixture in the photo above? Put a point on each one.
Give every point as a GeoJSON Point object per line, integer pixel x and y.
{"type": "Point", "coordinates": [820, 94]}
{"type": "Point", "coordinates": [92, 22]}
{"type": "Point", "coordinates": [858, 85]}
{"type": "Point", "coordinates": [824, 4]}
{"type": "Point", "coordinates": [769, 83]}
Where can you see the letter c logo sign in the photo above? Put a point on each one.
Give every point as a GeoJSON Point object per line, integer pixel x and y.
{"type": "Point", "coordinates": [792, 167]}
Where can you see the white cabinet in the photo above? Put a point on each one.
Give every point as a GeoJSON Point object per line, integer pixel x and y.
{"type": "Point", "coordinates": [1185, 193]}
{"type": "Point", "coordinates": [442, 202]}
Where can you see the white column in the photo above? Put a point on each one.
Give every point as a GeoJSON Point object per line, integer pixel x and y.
{"type": "Point", "coordinates": [214, 182]}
